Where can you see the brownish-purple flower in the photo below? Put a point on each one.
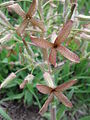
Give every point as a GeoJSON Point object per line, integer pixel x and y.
{"type": "Point", "coordinates": [58, 92]}
{"type": "Point", "coordinates": [27, 17]}
{"type": "Point", "coordinates": [57, 45]}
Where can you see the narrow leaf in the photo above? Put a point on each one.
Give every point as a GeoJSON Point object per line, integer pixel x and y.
{"type": "Point", "coordinates": [4, 114]}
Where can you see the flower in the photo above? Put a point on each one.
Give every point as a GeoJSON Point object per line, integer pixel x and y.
{"type": "Point", "coordinates": [57, 91]}
{"type": "Point", "coordinates": [27, 17]}
{"type": "Point", "coordinates": [57, 45]}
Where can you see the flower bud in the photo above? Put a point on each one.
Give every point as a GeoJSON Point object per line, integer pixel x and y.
{"type": "Point", "coordinates": [8, 80]}
{"type": "Point", "coordinates": [28, 79]}
{"type": "Point", "coordinates": [49, 80]}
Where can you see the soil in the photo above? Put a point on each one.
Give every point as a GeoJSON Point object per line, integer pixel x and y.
{"type": "Point", "coordinates": [18, 111]}
{"type": "Point", "coordinates": [21, 112]}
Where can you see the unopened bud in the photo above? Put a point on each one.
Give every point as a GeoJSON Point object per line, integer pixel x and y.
{"type": "Point", "coordinates": [8, 80]}
{"type": "Point", "coordinates": [49, 80]}
{"type": "Point", "coordinates": [28, 79]}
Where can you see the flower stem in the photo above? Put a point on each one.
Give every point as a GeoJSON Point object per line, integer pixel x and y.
{"type": "Point", "coordinates": [53, 112]}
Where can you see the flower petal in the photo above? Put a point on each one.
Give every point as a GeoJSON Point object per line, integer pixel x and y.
{"type": "Point", "coordinates": [52, 56]}
{"type": "Point", "coordinates": [65, 85]}
{"type": "Point", "coordinates": [62, 98]}
{"type": "Point", "coordinates": [37, 23]}
{"type": "Point", "coordinates": [32, 8]}
{"type": "Point", "coordinates": [16, 8]}
{"type": "Point", "coordinates": [44, 89]}
{"type": "Point", "coordinates": [63, 34]}
{"type": "Point", "coordinates": [45, 106]}
{"type": "Point", "coordinates": [41, 42]}
{"type": "Point", "coordinates": [68, 54]}
{"type": "Point", "coordinates": [22, 27]}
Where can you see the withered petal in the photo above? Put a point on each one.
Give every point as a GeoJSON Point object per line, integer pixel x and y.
{"type": "Point", "coordinates": [41, 42]}
{"type": "Point", "coordinates": [44, 89]}
{"type": "Point", "coordinates": [64, 32]}
{"type": "Point", "coordinates": [45, 106]}
{"type": "Point", "coordinates": [68, 54]}
{"type": "Point", "coordinates": [62, 98]}
{"type": "Point", "coordinates": [37, 23]}
{"type": "Point", "coordinates": [16, 8]}
{"type": "Point", "coordinates": [65, 85]}
{"type": "Point", "coordinates": [52, 56]}
{"type": "Point", "coordinates": [22, 27]}
{"type": "Point", "coordinates": [32, 8]}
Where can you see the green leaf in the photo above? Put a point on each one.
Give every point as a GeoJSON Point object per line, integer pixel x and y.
{"type": "Point", "coordinates": [4, 114]}
{"type": "Point", "coordinates": [60, 112]}
{"type": "Point", "coordinates": [85, 118]}
{"type": "Point", "coordinates": [28, 98]}
{"type": "Point", "coordinates": [13, 97]}
{"type": "Point", "coordinates": [30, 88]}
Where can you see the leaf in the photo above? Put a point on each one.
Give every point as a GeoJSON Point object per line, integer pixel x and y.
{"type": "Point", "coordinates": [13, 97]}
{"type": "Point", "coordinates": [85, 118]}
{"type": "Point", "coordinates": [28, 98]}
{"type": "Point", "coordinates": [41, 42]}
{"type": "Point", "coordinates": [60, 112]}
{"type": "Point", "coordinates": [30, 88]}
{"type": "Point", "coordinates": [4, 114]}
{"type": "Point", "coordinates": [68, 54]}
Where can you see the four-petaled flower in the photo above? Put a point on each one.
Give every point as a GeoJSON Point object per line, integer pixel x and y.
{"type": "Point", "coordinates": [57, 91]}
{"type": "Point", "coordinates": [27, 17]}
{"type": "Point", "coordinates": [57, 45]}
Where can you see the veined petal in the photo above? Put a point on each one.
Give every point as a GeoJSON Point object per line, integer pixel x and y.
{"type": "Point", "coordinates": [44, 89]}
{"type": "Point", "coordinates": [65, 85]}
{"type": "Point", "coordinates": [16, 8]}
{"type": "Point", "coordinates": [41, 42]}
{"type": "Point", "coordinates": [32, 8]}
{"type": "Point", "coordinates": [45, 106]}
{"type": "Point", "coordinates": [68, 54]}
{"type": "Point", "coordinates": [52, 56]}
{"type": "Point", "coordinates": [63, 34]}
{"type": "Point", "coordinates": [22, 27]}
{"type": "Point", "coordinates": [62, 98]}
{"type": "Point", "coordinates": [37, 23]}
